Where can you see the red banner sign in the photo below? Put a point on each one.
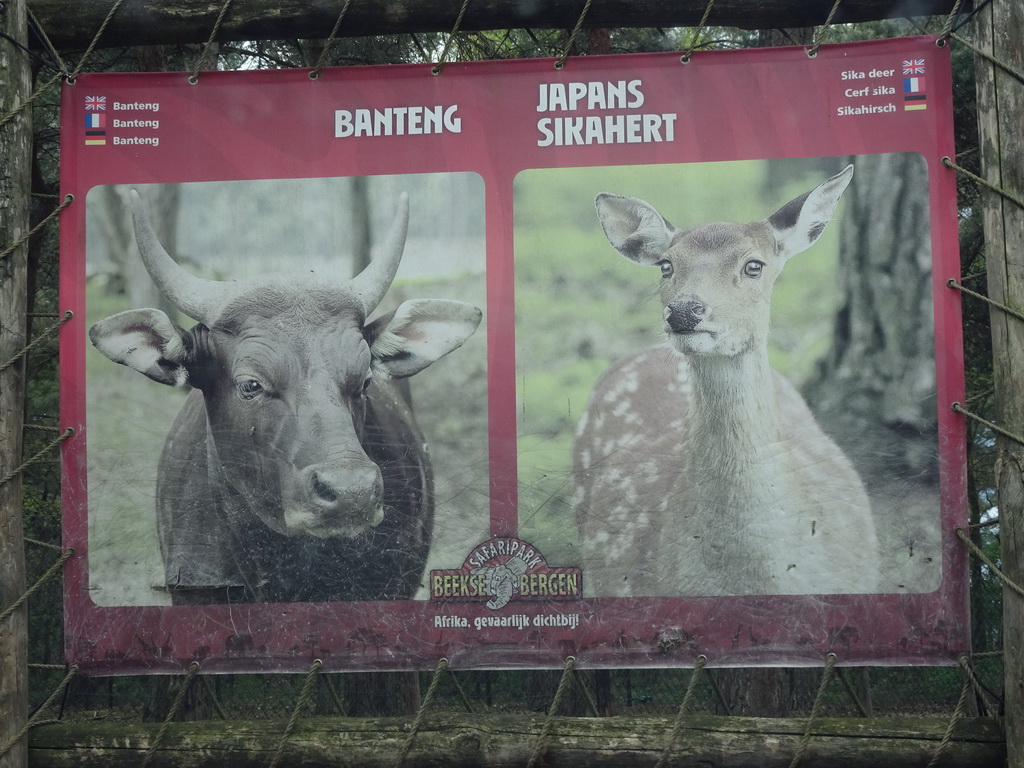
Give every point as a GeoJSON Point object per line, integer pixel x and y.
{"type": "Point", "coordinates": [632, 360]}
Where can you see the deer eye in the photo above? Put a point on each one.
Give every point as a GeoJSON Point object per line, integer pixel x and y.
{"type": "Point", "coordinates": [666, 268]}
{"type": "Point", "coordinates": [753, 268]}
{"type": "Point", "coordinates": [249, 389]}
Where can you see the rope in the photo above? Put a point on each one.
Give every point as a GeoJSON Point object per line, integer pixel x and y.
{"type": "Point", "coordinates": [179, 700]}
{"type": "Point", "coordinates": [307, 689]}
{"type": "Point", "coordinates": [46, 41]}
{"type": "Point", "coordinates": [462, 694]}
{"type": "Point", "coordinates": [30, 100]}
{"type": "Point", "coordinates": [947, 28]}
{"type": "Point", "coordinates": [805, 740]}
{"type": "Point", "coordinates": [25, 465]}
{"type": "Point", "coordinates": [68, 199]}
{"type": "Point", "coordinates": [334, 696]}
{"type": "Point", "coordinates": [685, 58]}
{"type": "Point", "coordinates": [581, 685]}
{"type": "Point", "coordinates": [45, 544]}
{"type": "Point", "coordinates": [436, 69]}
{"type": "Point", "coordinates": [35, 587]}
{"type": "Point", "coordinates": [976, 550]}
{"type": "Point", "coordinates": [37, 340]}
{"type": "Point", "coordinates": [194, 77]}
{"type": "Point", "coordinates": [678, 727]}
{"type": "Point", "coordinates": [979, 690]}
{"type": "Point", "coordinates": [948, 162]}
{"type": "Point", "coordinates": [322, 59]}
{"type": "Point", "coordinates": [442, 665]}
{"type": "Point", "coordinates": [36, 719]}
{"type": "Point", "coordinates": [819, 33]}
{"type": "Point", "coordinates": [572, 37]}
{"type": "Point", "coordinates": [95, 39]}
{"type": "Point", "coordinates": [958, 286]}
{"type": "Point", "coordinates": [211, 696]}
{"type": "Point", "coordinates": [852, 693]}
{"type": "Point", "coordinates": [549, 724]}
{"type": "Point", "coordinates": [989, 57]}
{"type": "Point", "coordinates": [960, 711]}
{"type": "Point", "coordinates": [994, 427]}
{"type": "Point", "coordinates": [56, 78]}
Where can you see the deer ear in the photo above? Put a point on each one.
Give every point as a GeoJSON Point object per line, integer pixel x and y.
{"type": "Point", "coordinates": [634, 228]}
{"type": "Point", "coordinates": [146, 341]}
{"type": "Point", "coordinates": [799, 223]}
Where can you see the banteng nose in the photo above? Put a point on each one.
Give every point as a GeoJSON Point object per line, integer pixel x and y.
{"type": "Point", "coordinates": [684, 315]}
{"type": "Point", "coordinates": [348, 493]}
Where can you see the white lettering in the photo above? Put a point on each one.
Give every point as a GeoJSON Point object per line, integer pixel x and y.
{"type": "Point", "coordinates": [638, 128]}
{"type": "Point", "coordinates": [151, 141]}
{"type": "Point", "coordinates": [138, 106]}
{"type": "Point", "coordinates": [397, 121]}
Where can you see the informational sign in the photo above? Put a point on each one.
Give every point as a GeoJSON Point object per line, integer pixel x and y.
{"type": "Point", "coordinates": [632, 361]}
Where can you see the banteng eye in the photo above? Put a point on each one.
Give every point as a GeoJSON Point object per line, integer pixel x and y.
{"type": "Point", "coordinates": [666, 268]}
{"type": "Point", "coordinates": [249, 388]}
{"type": "Point", "coordinates": [753, 268]}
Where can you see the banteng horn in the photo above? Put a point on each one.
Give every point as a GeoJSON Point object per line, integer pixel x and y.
{"type": "Point", "coordinates": [198, 298]}
{"type": "Point", "coordinates": [373, 282]}
{"type": "Point", "coordinates": [203, 299]}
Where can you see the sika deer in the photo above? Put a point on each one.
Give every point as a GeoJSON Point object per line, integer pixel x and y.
{"type": "Point", "coordinates": [698, 469]}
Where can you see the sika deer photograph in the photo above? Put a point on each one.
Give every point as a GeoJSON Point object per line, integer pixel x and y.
{"type": "Point", "coordinates": [698, 469]}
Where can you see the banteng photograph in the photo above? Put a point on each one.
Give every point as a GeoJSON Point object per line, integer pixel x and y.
{"type": "Point", "coordinates": [286, 388]}
{"type": "Point", "coordinates": [740, 398]}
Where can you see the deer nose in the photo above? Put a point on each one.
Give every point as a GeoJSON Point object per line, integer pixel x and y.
{"type": "Point", "coordinates": [684, 315]}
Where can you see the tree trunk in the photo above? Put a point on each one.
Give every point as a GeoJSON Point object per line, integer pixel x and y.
{"type": "Point", "coordinates": [15, 189]}
{"type": "Point", "coordinates": [874, 391]}
{"type": "Point", "coordinates": [139, 22]}
{"type": "Point", "coordinates": [1000, 30]}
{"type": "Point", "coordinates": [508, 741]}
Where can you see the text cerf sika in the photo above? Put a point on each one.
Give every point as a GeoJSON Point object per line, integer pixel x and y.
{"type": "Point", "coordinates": [699, 470]}
{"type": "Point", "coordinates": [295, 470]}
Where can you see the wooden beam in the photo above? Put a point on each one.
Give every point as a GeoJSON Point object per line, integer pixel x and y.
{"type": "Point", "coordinates": [504, 741]}
{"type": "Point", "coordinates": [1000, 32]}
{"type": "Point", "coordinates": [144, 22]}
{"type": "Point", "coordinates": [15, 189]}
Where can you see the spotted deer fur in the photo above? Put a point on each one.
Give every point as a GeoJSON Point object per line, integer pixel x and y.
{"type": "Point", "coordinates": [698, 469]}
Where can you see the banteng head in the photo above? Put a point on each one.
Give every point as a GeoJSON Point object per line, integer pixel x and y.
{"type": "Point", "coordinates": [284, 364]}
{"type": "Point", "coordinates": [717, 278]}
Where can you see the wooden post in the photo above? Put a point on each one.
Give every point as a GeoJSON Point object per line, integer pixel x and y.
{"type": "Point", "coordinates": [487, 740]}
{"type": "Point", "coordinates": [1000, 33]}
{"type": "Point", "coordinates": [15, 191]}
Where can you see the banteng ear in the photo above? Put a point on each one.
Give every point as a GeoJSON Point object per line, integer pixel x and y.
{"type": "Point", "coordinates": [799, 223]}
{"type": "Point", "coordinates": [419, 333]}
{"type": "Point", "coordinates": [146, 341]}
{"type": "Point", "coordinates": [634, 228]}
